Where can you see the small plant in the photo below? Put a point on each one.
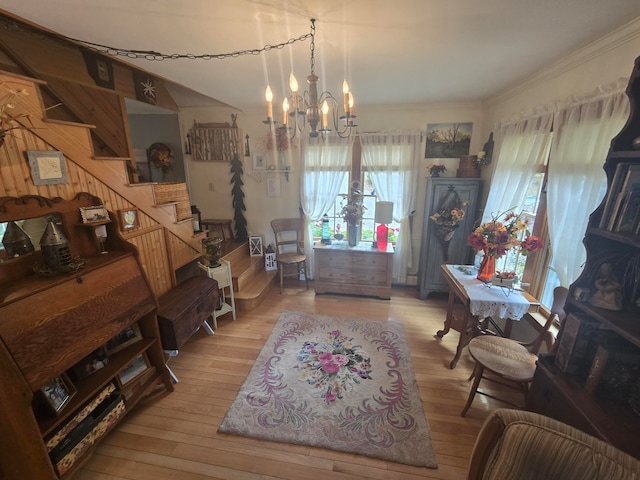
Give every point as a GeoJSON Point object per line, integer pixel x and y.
{"type": "Point", "coordinates": [436, 170]}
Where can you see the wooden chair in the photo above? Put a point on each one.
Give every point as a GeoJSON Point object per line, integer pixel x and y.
{"type": "Point", "coordinates": [510, 363]}
{"type": "Point", "coordinates": [288, 233]}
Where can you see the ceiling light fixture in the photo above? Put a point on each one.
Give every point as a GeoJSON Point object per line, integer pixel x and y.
{"type": "Point", "coordinates": [298, 110]}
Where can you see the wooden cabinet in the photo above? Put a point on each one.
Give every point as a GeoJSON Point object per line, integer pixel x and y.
{"type": "Point", "coordinates": [592, 381]}
{"type": "Point", "coordinates": [48, 324]}
{"type": "Point", "coordinates": [435, 251]}
{"type": "Point", "coordinates": [359, 270]}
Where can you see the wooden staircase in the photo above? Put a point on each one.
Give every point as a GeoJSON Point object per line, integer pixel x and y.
{"type": "Point", "coordinates": [251, 282]}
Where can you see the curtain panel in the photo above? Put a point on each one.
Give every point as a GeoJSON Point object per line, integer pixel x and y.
{"type": "Point", "coordinates": [583, 129]}
{"type": "Point", "coordinates": [392, 160]}
{"type": "Point", "coordinates": [325, 162]}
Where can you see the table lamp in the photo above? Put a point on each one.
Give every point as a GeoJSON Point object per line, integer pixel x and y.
{"type": "Point", "coordinates": [384, 215]}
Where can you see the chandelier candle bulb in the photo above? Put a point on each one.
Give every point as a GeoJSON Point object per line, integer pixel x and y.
{"type": "Point", "coordinates": [345, 92]}
{"type": "Point", "coordinates": [325, 111]}
{"type": "Point", "coordinates": [350, 113]}
{"type": "Point", "coordinates": [268, 96]}
{"type": "Point", "coordinates": [293, 85]}
{"type": "Point", "coordinates": [285, 110]}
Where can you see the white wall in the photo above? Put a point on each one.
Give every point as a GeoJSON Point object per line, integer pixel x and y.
{"type": "Point", "coordinates": [602, 62]}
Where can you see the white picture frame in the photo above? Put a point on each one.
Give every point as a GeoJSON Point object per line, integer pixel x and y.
{"type": "Point", "coordinates": [255, 245]}
{"type": "Point", "coordinates": [259, 161]}
{"type": "Point", "coordinates": [274, 187]}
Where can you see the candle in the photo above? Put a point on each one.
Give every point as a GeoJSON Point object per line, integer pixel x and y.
{"type": "Point", "coordinates": [293, 85]}
{"type": "Point", "coordinates": [345, 92]}
{"type": "Point", "coordinates": [285, 109]}
{"type": "Point", "coordinates": [268, 96]}
{"type": "Point", "coordinates": [350, 104]}
{"type": "Point", "coordinates": [325, 111]}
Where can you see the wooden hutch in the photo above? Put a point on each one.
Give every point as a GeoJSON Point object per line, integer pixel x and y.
{"type": "Point", "coordinates": [51, 322]}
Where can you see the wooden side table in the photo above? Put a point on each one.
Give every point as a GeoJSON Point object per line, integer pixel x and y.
{"type": "Point", "coordinates": [470, 325]}
{"type": "Point", "coordinates": [359, 270]}
{"type": "Point", "coordinates": [222, 275]}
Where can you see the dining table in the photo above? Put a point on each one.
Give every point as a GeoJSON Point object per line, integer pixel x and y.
{"type": "Point", "coordinates": [481, 304]}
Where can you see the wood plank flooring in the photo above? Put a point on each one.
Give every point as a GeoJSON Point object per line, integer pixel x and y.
{"type": "Point", "coordinates": [174, 437]}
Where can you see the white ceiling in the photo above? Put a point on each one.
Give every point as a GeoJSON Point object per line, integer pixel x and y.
{"type": "Point", "coordinates": [390, 51]}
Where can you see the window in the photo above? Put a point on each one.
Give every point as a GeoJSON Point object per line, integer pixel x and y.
{"type": "Point", "coordinates": [367, 226]}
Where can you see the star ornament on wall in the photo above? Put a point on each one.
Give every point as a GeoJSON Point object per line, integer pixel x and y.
{"type": "Point", "coordinates": [148, 88]}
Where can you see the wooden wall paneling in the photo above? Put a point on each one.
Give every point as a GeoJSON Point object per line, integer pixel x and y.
{"type": "Point", "coordinates": [153, 248]}
{"type": "Point", "coordinates": [179, 252]}
{"type": "Point", "coordinates": [98, 107]}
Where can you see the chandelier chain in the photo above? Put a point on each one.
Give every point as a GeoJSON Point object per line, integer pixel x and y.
{"type": "Point", "coordinates": [312, 47]}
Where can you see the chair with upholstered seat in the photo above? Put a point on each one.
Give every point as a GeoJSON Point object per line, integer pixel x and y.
{"type": "Point", "coordinates": [508, 362]}
{"type": "Point", "coordinates": [288, 233]}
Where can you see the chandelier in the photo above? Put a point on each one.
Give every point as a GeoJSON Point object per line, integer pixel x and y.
{"type": "Point", "coordinates": [298, 110]}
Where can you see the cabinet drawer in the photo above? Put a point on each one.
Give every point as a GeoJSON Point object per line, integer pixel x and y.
{"type": "Point", "coordinates": [362, 276]}
{"type": "Point", "coordinates": [66, 322]}
{"type": "Point", "coordinates": [361, 261]}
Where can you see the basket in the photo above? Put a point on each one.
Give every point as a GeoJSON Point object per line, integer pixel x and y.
{"type": "Point", "coordinates": [174, 192]}
{"type": "Point", "coordinates": [468, 168]}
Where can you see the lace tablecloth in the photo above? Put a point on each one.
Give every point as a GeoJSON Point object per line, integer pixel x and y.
{"type": "Point", "coordinates": [489, 301]}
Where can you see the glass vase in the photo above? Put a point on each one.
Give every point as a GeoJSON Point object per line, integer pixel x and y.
{"type": "Point", "coordinates": [353, 235]}
{"type": "Point", "coordinates": [487, 268]}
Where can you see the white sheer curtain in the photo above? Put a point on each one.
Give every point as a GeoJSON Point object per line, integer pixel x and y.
{"type": "Point", "coordinates": [583, 130]}
{"type": "Point", "coordinates": [522, 145]}
{"type": "Point", "coordinates": [324, 165]}
{"type": "Point", "coordinates": [392, 160]}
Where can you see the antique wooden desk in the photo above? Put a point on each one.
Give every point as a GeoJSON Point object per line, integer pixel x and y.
{"type": "Point", "coordinates": [359, 270]}
{"type": "Point", "coordinates": [479, 302]}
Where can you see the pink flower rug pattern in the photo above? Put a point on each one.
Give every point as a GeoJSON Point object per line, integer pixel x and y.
{"type": "Point", "coordinates": [340, 383]}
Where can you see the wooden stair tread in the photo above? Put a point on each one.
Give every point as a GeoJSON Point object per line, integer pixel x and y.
{"type": "Point", "coordinates": [255, 291]}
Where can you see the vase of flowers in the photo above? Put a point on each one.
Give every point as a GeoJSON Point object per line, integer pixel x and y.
{"type": "Point", "coordinates": [448, 219]}
{"type": "Point", "coordinates": [436, 170]}
{"type": "Point", "coordinates": [352, 210]}
{"type": "Point", "coordinates": [498, 236]}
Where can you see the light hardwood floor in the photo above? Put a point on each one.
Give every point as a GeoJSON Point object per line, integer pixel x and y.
{"type": "Point", "coordinates": [174, 437]}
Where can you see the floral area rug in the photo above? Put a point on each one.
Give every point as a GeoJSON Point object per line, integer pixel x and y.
{"type": "Point", "coordinates": [339, 383]}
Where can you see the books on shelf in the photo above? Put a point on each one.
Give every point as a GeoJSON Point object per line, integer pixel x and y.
{"type": "Point", "coordinates": [622, 207]}
{"type": "Point", "coordinates": [572, 346]}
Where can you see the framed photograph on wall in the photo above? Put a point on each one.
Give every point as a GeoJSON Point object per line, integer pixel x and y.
{"type": "Point", "coordinates": [57, 393]}
{"type": "Point", "coordinates": [47, 167]}
{"type": "Point", "coordinates": [259, 162]}
{"type": "Point", "coordinates": [128, 219]}
{"type": "Point", "coordinates": [274, 187]}
{"type": "Point", "coordinates": [255, 245]}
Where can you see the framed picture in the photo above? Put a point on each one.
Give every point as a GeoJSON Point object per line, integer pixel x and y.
{"type": "Point", "coordinates": [255, 245]}
{"type": "Point", "coordinates": [133, 370]}
{"type": "Point", "coordinates": [274, 187]}
{"type": "Point", "coordinates": [128, 219]}
{"type": "Point", "coordinates": [93, 362]}
{"type": "Point", "coordinates": [448, 140]}
{"type": "Point", "coordinates": [57, 393]}
{"type": "Point", "coordinates": [259, 162]}
{"type": "Point", "coordinates": [126, 337]}
{"type": "Point", "coordinates": [47, 167]}
{"type": "Point", "coordinates": [94, 214]}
